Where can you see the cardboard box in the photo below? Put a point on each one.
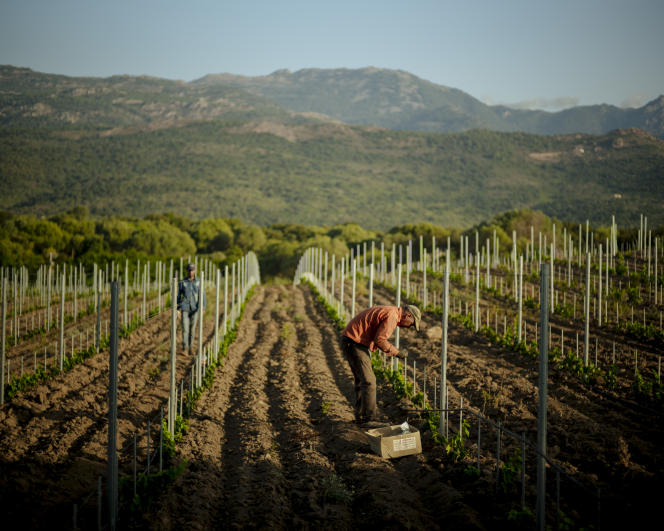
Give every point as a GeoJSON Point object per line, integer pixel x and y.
{"type": "Point", "coordinates": [391, 441]}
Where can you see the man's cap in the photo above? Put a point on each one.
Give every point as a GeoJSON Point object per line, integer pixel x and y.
{"type": "Point", "coordinates": [191, 267]}
{"type": "Point", "coordinates": [415, 312]}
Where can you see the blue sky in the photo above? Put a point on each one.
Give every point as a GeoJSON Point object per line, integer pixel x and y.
{"type": "Point", "coordinates": [539, 54]}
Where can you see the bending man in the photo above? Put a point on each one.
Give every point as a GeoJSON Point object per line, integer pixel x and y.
{"type": "Point", "coordinates": [366, 332]}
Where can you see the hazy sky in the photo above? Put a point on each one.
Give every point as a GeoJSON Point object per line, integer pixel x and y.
{"type": "Point", "coordinates": [545, 54]}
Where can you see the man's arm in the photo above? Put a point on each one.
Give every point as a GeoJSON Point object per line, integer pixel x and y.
{"type": "Point", "coordinates": [383, 333]}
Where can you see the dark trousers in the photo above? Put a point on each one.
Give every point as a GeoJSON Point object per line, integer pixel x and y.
{"type": "Point", "coordinates": [359, 359]}
{"type": "Point", "coordinates": [189, 320]}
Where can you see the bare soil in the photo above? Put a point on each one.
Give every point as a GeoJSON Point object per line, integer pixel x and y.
{"type": "Point", "coordinates": [602, 440]}
{"type": "Point", "coordinates": [54, 437]}
{"type": "Point", "coordinates": [273, 444]}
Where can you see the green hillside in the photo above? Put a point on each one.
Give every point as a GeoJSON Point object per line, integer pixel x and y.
{"type": "Point", "coordinates": [138, 145]}
{"type": "Point", "coordinates": [265, 172]}
{"type": "Point", "coordinates": [35, 100]}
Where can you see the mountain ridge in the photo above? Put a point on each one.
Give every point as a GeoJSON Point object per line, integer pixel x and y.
{"type": "Point", "coordinates": [439, 109]}
{"type": "Point", "coordinates": [393, 99]}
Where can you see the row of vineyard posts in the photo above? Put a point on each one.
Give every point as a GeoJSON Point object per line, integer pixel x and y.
{"type": "Point", "coordinates": [581, 268]}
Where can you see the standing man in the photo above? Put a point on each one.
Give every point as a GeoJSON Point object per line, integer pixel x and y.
{"type": "Point", "coordinates": [189, 291]}
{"type": "Point", "coordinates": [366, 332]}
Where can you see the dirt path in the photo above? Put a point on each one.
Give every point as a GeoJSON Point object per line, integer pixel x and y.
{"type": "Point", "coordinates": [53, 438]}
{"type": "Point", "coordinates": [274, 445]}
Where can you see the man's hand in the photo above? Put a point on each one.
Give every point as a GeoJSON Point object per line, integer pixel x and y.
{"type": "Point", "coordinates": [402, 354]}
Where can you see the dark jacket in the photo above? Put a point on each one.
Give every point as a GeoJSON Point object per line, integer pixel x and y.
{"type": "Point", "coordinates": [188, 295]}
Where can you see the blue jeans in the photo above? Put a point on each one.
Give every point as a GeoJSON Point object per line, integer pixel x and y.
{"type": "Point", "coordinates": [189, 320]}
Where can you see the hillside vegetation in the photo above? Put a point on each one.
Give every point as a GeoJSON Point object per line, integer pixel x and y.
{"type": "Point", "coordinates": [263, 173]}
{"type": "Point", "coordinates": [133, 146]}
{"type": "Point", "coordinates": [77, 236]}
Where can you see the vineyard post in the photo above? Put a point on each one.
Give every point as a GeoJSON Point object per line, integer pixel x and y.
{"type": "Point", "coordinates": [364, 258]}
{"type": "Point", "coordinates": [216, 313]}
{"type": "Point", "coordinates": [371, 282]}
{"type": "Point", "coordinates": [201, 316]}
{"type": "Point", "coordinates": [113, 410]}
{"type": "Point", "coordinates": [74, 294]}
{"type": "Point", "coordinates": [396, 332]}
{"type": "Point", "coordinates": [649, 250]}
{"type": "Point", "coordinates": [48, 301]}
{"type": "Point", "coordinates": [569, 264]}
{"type": "Point", "coordinates": [424, 388]}
{"type": "Point", "coordinates": [520, 295]}
{"type": "Point", "coordinates": [553, 275]}
{"type": "Point", "coordinates": [232, 293]}
{"type": "Point", "coordinates": [541, 412]}
{"type": "Point", "coordinates": [587, 312]}
{"type": "Point", "coordinates": [373, 253]}
{"type": "Point", "coordinates": [434, 255]}
{"type": "Point", "coordinates": [424, 279]}
{"type": "Point", "coordinates": [443, 357]}
{"type": "Point", "coordinates": [488, 263]}
{"type": "Point", "coordinates": [599, 290]}
{"type": "Point", "coordinates": [174, 310]}
{"type": "Point", "coordinates": [332, 274]}
{"type": "Point", "coordinates": [342, 311]}
{"type": "Point", "coordinates": [62, 322]}
{"type": "Point", "coordinates": [325, 276]}
{"type": "Point", "coordinates": [4, 337]}
{"type": "Point", "coordinates": [408, 267]}
{"type": "Point", "coordinates": [145, 288]}
{"type": "Point", "coordinates": [98, 327]}
{"type": "Point", "coordinates": [225, 327]}
{"type": "Point", "coordinates": [352, 304]}
{"type": "Point", "coordinates": [607, 279]}
{"type": "Point", "coordinates": [514, 264]}
{"type": "Point", "coordinates": [159, 272]}
{"type": "Point", "coordinates": [477, 291]}
{"type": "Point", "coordinates": [539, 251]}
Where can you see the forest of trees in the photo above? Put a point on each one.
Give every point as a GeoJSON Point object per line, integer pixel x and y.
{"type": "Point", "coordinates": [76, 236]}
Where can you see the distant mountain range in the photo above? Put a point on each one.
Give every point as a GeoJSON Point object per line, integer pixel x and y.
{"type": "Point", "coordinates": [391, 99]}
{"type": "Point", "coordinates": [275, 150]}
{"type": "Point", "coordinates": [398, 100]}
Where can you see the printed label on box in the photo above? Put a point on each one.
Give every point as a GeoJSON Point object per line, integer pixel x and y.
{"type": "Point", "coordinates": [407, 443]}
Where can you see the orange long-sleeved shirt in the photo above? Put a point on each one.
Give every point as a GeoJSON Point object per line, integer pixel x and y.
{"type": "Point", "coordinates": [373, 327]}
